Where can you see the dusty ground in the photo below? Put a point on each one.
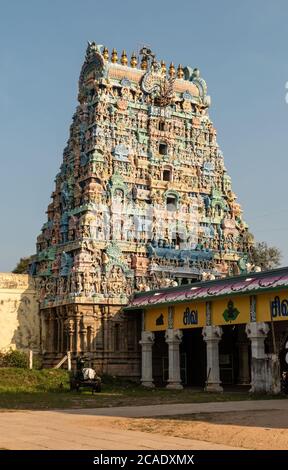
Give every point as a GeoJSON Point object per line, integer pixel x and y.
{"type": "Point", "coordinates": [254, 430]}
{"type": "Point", "coordinates": [54, 430]}
{"type": "Point", "coordinates": [246, 424]}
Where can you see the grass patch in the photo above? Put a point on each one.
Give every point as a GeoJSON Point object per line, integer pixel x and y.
{"type": "Point", "coordinates": [18, 380]}
{"type": "Point", "coordinates": [49, 389]}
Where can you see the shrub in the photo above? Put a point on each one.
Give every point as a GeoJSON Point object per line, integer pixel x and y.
{"type": "Point", "coordinates": [37, 362]}
{"type": "Point", "coordinates": [14, 358]}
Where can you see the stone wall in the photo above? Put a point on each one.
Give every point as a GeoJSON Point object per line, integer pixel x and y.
{"type": "Point", "coordinates": [19, 313]}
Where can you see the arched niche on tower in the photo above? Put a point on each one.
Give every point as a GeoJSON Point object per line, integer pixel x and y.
{"type": "Point", "coordinates": [167, 173]}
{"type": "Point", "coordinates": [117, 186]}
{"type": "Point", "coordinates": [171, 199]}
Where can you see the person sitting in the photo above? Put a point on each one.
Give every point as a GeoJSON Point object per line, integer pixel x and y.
{"type": "Point", "coordinates": [88, 373]}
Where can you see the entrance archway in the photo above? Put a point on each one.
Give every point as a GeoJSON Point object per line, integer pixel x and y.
{"type": "Point", "coordinates": [234, 356]}
{"type": "Point", "coordinates": [193, 358]}
{"type": "Point", "coordinates": [160, 359]}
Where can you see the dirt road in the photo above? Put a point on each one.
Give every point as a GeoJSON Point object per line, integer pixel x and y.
{"type": "Point", "coordinates": [227, 425]}
{"type": "Point", "coordinates": [44, 430]}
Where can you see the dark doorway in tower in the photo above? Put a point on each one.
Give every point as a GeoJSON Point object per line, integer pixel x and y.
{"type": "Point", "coordinates": [160, 359]}
{"type": "Point", "coordinates": [163, 149]}
{"type": "Point", "coordinates": [171, 203]}
{"type": "Point", "coordinates": [167, 175]}
{"type": "Point", "coordinates": [193, 358]}
{"type": "Point", "coordinates": [234, 356]}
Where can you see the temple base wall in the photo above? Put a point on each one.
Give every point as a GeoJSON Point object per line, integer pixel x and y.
{"type": "Point", "coordinates": [105, 335]}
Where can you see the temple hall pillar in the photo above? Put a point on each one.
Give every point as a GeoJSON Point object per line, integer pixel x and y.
{"type": "Point", "coordinates": [45, 332]}
{"type": "Point", "coordinates": [70, 334]}
{"type": "Point", "coordinates": [173, 339]}
{"type": "Point", "coordinates": [62, 329]}
{"type": "Point", "coordinates": [50, 333]}
{"type": "Point", "coordinates": [212, 335]}
{"type": "Point", "coordinates": [58, 334]}
{"type": "Point", "coordinates": [147, 341]}
{"type": "Point", "coordinates": [257, 333]}
{"type": "Point", "coordinates": [83, 333]}
{"type": "Point", "coordinates": [77, 333]}
{"type": "Point", "coordinates": [91, 338]}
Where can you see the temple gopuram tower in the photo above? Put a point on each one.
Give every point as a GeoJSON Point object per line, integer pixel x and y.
{"type": "Point", "coordinates": [142, 200]}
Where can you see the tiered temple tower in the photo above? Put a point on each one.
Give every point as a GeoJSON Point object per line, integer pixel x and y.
{"type": "Point", "coordinates": [142, 201]}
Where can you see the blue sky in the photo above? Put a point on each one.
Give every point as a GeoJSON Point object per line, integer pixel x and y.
{"type": "Point", "coordinates": [239, 47]}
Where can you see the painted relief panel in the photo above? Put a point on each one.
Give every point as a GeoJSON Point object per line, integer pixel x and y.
{"type": "Point", "coordinates": [231, 310]}
{"type": "Point", "coordinates": [156, 319]}
{"type": "Point", "coordinates": [273, 304]}
{"type": "Point", "coordinates": [189, 315]}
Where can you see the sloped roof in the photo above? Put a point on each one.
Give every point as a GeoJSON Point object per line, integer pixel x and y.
{"type": "Point", "coordinates": [248, 284]}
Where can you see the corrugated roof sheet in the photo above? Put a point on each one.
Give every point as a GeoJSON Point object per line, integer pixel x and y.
{"type": "Point", "coordinates": [248, 284]}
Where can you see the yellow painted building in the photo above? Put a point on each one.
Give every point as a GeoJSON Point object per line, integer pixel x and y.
{"type": "Point", "coordinates": [225, 310]}
{"type": "Point", "coordinates": [257, 297]}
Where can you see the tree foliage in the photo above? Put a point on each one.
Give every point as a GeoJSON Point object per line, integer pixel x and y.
{"type": "Point", "coordinates": [22, 266]}
{"type": "Point", "coordinates": [267, 257]}
{"type": "Point", "coordinates": [14, 358]}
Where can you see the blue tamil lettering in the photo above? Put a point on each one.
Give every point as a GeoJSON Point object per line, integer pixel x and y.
{"type": "Point", "coordinates": [190, 317]}
{"type": "Point", "coordinates": [279, 308]}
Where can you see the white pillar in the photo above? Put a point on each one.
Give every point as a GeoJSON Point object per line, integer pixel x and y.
{"type": "Point", "coordinates": [212, 335]}
{"type": "Point", "coordinates": [69, 365]}
{"type": "Point", "coordinates": [147, 340]}
{"type": "Point", "coordinates": [30, 359]}
{"type": "Point", "coordinates": [173, 339]}
{"type": "Point", "coordinates": [257, 332]}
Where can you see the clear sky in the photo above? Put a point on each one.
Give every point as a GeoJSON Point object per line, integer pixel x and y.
{"type": "Point", "coordinates": [239, 47]}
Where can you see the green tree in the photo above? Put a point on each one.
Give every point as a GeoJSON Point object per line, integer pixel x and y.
{"type": "Point", "coordinates": [22, 266]}
{"type": "Point", "coordinates": [267, 257]}
{"type": "Point", "coordinates": [14, 358]}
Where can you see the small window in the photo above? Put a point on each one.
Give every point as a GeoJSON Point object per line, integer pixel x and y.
{"type": "Point", "coordinates": [161, 126]}
{"type": "Point", "coordinates": [167, 175]}
{"type": "Point", "coordinates": [163, 149]}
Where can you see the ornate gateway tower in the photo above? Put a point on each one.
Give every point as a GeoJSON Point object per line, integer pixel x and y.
{"type": "Point", "coordinates": [142, 201]}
